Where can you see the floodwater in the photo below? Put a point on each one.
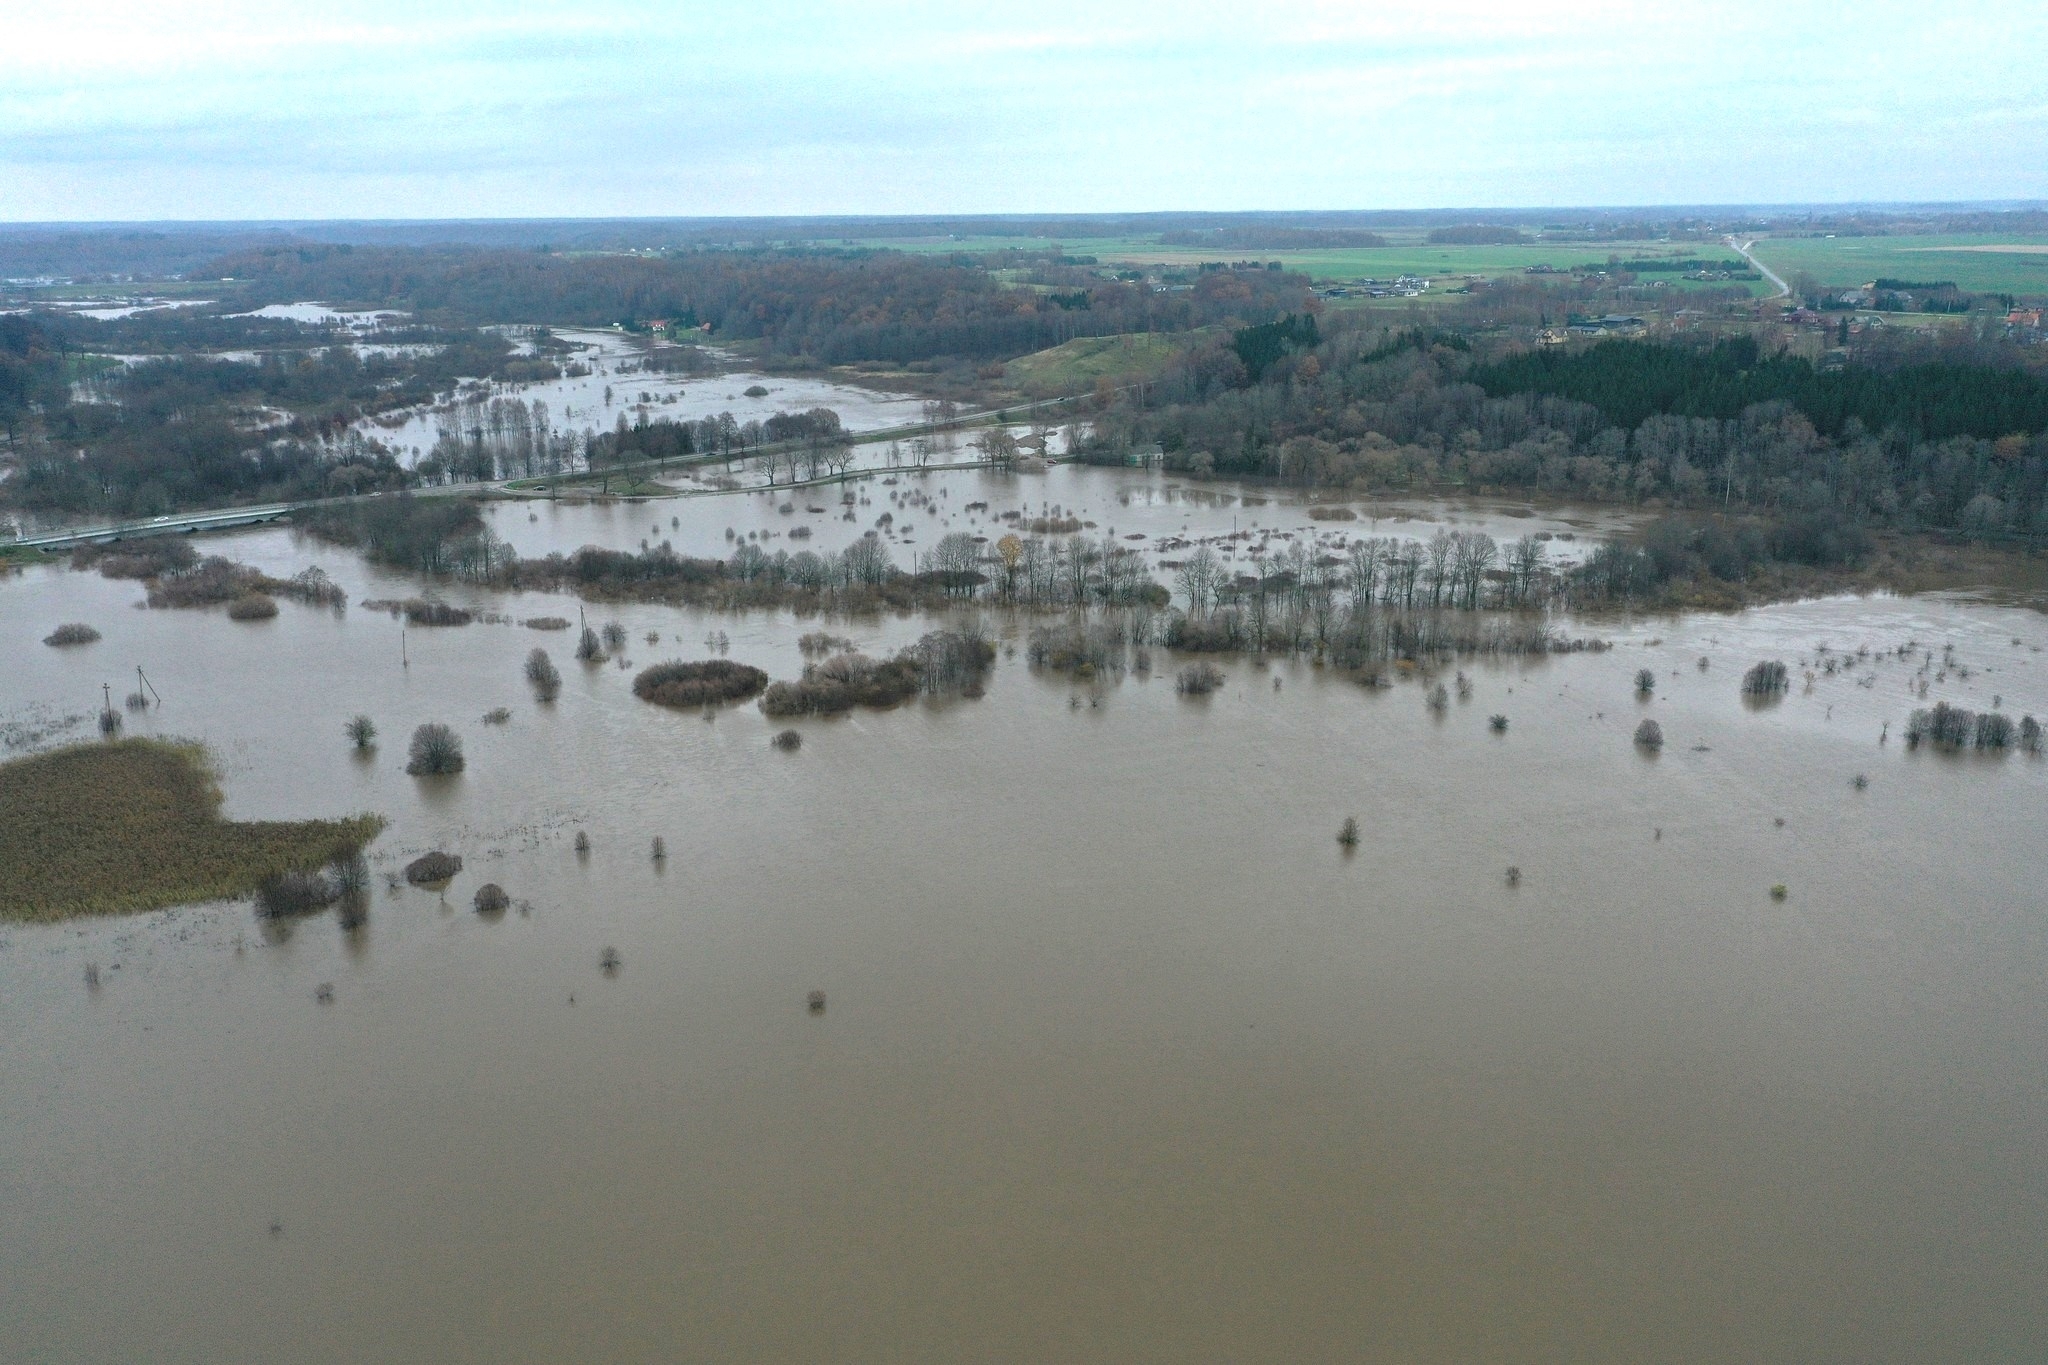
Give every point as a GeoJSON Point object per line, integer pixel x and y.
{"type": "Point", "coordinates": [1158, 517]}
{"type": "Point", "coordinates": [597, 400]}
{"type": "Point", "coordinates": [1123, 1057]}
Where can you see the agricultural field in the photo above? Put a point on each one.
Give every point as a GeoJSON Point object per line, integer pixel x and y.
{"type": "Point", "coordinates": [1407, 253]}
{"type": "Point", "coordinates": [1977, 264]}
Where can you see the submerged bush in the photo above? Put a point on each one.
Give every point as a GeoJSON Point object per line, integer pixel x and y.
{"type": "Point", "coordinates": [75, 633]}
{"type": "Point", "coordinates": [361, 731]}
{"type": "Point", "coordinates": [1650, 735]}
{"type": "Point", "coordinates": [1198, 680]}
{"type": "Point", "coordinates": [490, 899]}
{"type": "Point", "coordinates": [426, 611]}
{"type": "Point", "coordinates": [789, 741]}
{"type": "Point", "coordinates": [614, 636]}
{"type": "Point", "coordinates": [296, 892]}
{"type": "Point", "coordinates": [1955, 727]}
{"type": "Point", "coordinates": [430, 868]}
{"type": "Point", "coordinates": [1499, 723]}
{"type": "Point", "coordinates": [588, 649]}
{"type": "Point", "coordinates": [436, 751]}
{"type": "Point", "coordinates": [1348, 834]}
{"type": "Point", "coordinates": [2030, 735]}
{"type": "Point", "coordinates": [700, 683]}
{"type": "Point", "coordinates": [540, 671]}
{"type": "Point", "coordinates": [546, 623]}
{"type": "Point", "coordinates": [1764, 679]}
{"type": "Point", "coordinates": [942, 661]}
{"type": "Point", "coordinates": [253, 606]}
{"type": "Point", "coordinates": [1646, 681]}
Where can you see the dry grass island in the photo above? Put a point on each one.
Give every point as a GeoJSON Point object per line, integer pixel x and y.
{"type": "Point", "coordinates": [104, 828]}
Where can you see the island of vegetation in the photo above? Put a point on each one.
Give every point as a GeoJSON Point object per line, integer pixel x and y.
{"type": "Point", "coordinates": [105, 828]}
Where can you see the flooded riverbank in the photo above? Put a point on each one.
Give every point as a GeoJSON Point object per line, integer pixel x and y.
{"type": "Point", "coordinates": [1124, 1057]}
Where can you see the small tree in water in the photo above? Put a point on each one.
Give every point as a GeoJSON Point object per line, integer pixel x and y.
{"type": "Point", "coordinates": [361, 731]}
{"type": "Point", "coordinates": [1646, 681]}
{"type": "Point", "coordinates": [540, 671]}
{"type": "Point", "coordinates": [436, 751]}
{"type": "Point", "coordinates": [1650, 735]}
{"type": "Point", "coordinates": [1348, 835]}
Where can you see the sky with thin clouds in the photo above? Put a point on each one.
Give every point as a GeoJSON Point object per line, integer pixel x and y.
{"type": "Point", "coordinates": [232, 109]}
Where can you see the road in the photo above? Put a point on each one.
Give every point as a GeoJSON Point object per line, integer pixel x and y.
{"type": "Point", "coordinates": [1784, 289]}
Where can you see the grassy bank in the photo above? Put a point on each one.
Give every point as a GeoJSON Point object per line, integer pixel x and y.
{"type": "Point", "coordinates": [98, 829]}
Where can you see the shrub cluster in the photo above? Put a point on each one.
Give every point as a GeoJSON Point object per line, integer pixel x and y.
{"type": "Point", "coordinates": [943, 661]}
{"type": "Point", "coordinates": [1764, 679]}
{"type": "Point", "coordinates": [430, 868]}
{"type": "Point", "coordinates": [253, 606]}
{"type": "Point", "coordinates": [1198, 680]}
{"type": "Point", "coordinates": [699, 683]}
{"type": "Point", "coordinates": [1955, 727]}
{"type": "Point", "coordinates": [74, 633]}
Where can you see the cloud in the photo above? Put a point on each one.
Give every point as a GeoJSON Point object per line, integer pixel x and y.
{"type": "Point", "coordinates": [229, 108]}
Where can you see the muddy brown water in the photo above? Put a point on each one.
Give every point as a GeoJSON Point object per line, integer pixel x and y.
{"type": "Point", "coordinates": [1123, 1057]}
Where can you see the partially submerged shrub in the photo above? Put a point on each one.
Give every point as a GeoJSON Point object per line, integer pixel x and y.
{"type": "Point", "coordinates": [1198, 680]}
{"type": "Point", "coordinates": [1499, 723]}
{"type": "Point", "coordinates": [430, 868]}
{"type": "Point", "coordinates": [1347, 835]}
{"type": "Point", "coordinates": [361, 731]}
{"type": "Point", "coordinates": [582, 844]}
{"type": "Point", "coordinates": [698, 683]}
{"type": "Point", "coordinates": [1764, 679]}
{"type": "Point", "coordinates": [137, 558]}
{"type": "Point", "coordinates": [296, 892]}
{"type": "Point", "coordinates": [497, 715]}
{"type": "Point", "coordinates": [659, 852]}
{"type": "Point", "coordinates": [540, 671]}
{"type": "Point", "coordinates": [789, 741]}
{"type": "Point", "coordinates": [2030, 735]}
{"type": "Point", "coordinates": [588, 649]}
{"type": "Point", "coordinates": [253, 606]}
{"type": "Point", "coordinates": [436, 751]}
{"type": "Point", "coordinates": [74, 633]}
{"type": "Point", "coordinates": [1650, 735]}
{"type": "Point", "coordinates": [427, 611]}
{"type": "Point", "coordinates": [614, 636]}
{"type": "Point", "coordinates": [822, 642]}
{"type": "Point", "coordinates": [546, 623]}
{"type": "Point", "coordinates": [491, 899]}
{"type": "Point", "coordinates": [1646, 681]}
{"type": "Point", "coordinates": [1955, 727]}
{"type": "Point", "coordinates": [110, 722]}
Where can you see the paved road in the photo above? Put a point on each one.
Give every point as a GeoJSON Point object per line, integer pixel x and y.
{"type": "Point", "coordinates": [1784, 289]}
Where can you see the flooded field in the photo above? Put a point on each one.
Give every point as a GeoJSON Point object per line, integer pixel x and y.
{"type": "Point", "coordinates": [617, 386]}
{"type": "Point", "coordinates": [1123, 1057]}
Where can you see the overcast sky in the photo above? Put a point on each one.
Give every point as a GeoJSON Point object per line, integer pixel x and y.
{"type": "Point", "coordinates": [430, 108]}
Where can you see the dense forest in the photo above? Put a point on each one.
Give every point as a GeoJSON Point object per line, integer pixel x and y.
{"type": "Point", "coordinates": [832, 308]}
{"type": "Point", "coordinates": [1954, 445]}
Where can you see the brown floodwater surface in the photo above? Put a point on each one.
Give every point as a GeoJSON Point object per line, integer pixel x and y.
{"type": "Point", "coordinates": [1124, 1058]}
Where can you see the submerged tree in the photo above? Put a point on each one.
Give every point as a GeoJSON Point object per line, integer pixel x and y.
{"type": "Point", "coordinates": [1650, 735]}
{"type": "Point", "coordinates": [1764, 679]}
{"type": "Point", "coordinates": [361, 731]}
{"type": "Point", "coordinates": [540, 671]}
{"type": "Point", "coordinates": [435, 751]}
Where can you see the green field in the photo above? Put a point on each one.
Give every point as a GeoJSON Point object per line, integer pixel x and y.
{"type": "Point", "coordinates": [1851, 261]}
{"type": "Point", "coordinates": [1075, 366]}
{"type": "Point", "coordinates": [1406, 254]}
